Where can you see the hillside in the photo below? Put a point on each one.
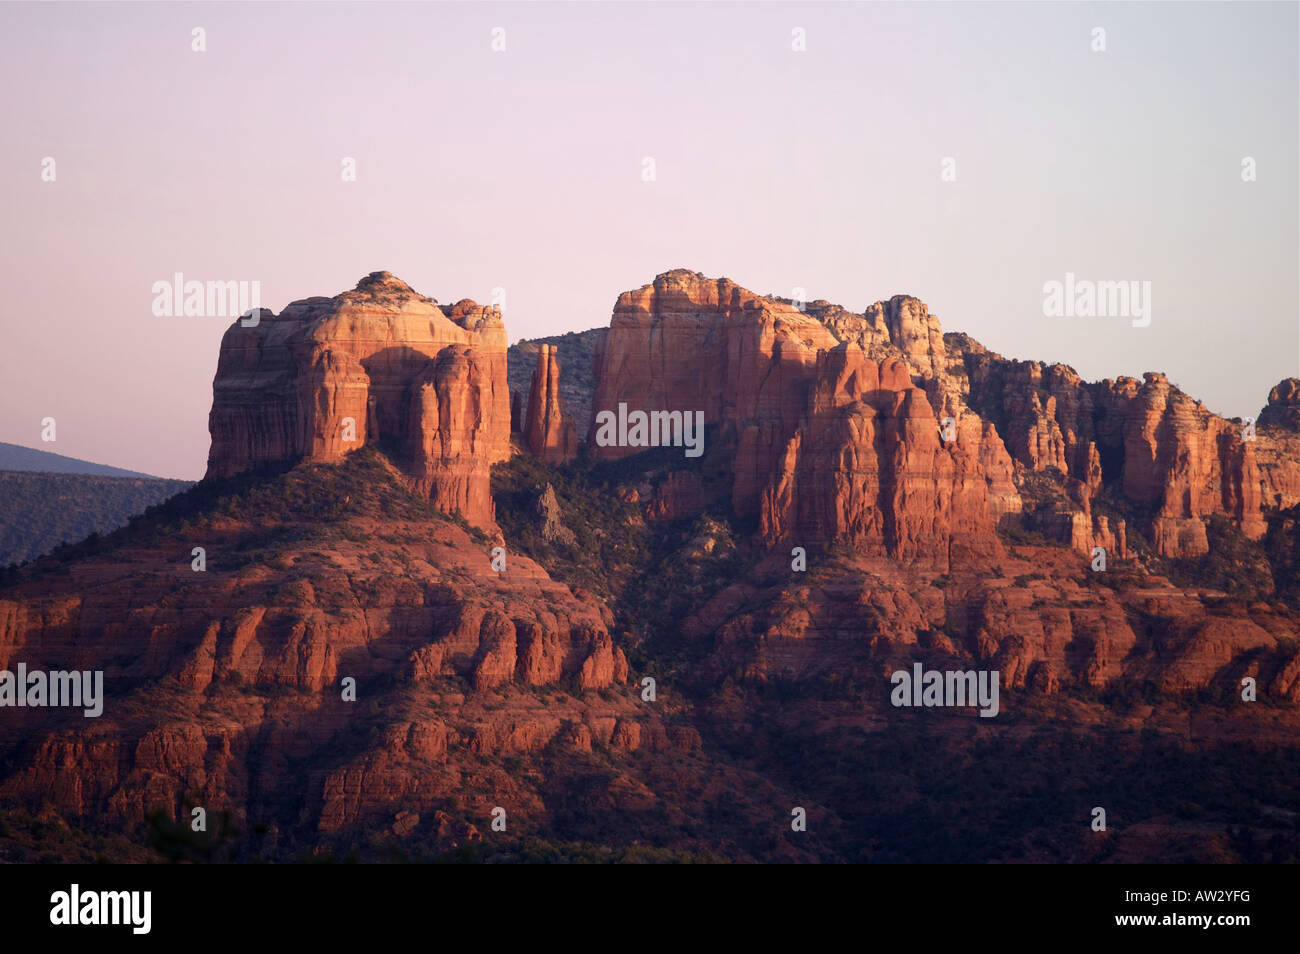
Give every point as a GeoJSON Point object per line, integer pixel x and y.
{"type": "Point", "coordinates": [479, 689]}
{"type": "Point", "coordinates": [43, 510]}
{"type": "Point", "coordinates": [17, 457]}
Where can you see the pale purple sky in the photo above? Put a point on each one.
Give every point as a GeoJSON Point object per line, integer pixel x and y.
{"type": "Point", "coordinates": [522, 169]}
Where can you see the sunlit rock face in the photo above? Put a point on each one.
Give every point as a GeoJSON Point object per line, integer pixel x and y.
{"type": "Point", "coordinates": [379, 365]}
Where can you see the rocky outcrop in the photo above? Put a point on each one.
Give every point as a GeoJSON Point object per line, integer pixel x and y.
{"type": "Point", "coordinates": [1159, 450]}
{"type": "Point", "coordinates": [815, 412]}
{"type": "Point", "coordinates": [351, 669]}
{"type": "Point", "coordinates": [1182, 460]}
{"type": "Point", "coordinates": [548, 432]}
{"type": "Point", "coordinates": [688, 343]}
{"type": "Point", "coordinates": [871, 467]}
{"type": "Point", "coordinates": [380, 365]}
{"type": "Point", "coordinates": [1084, 531]}
{"type": "Point", "coordinates": [810, 457]}
{"type": "Point", "coordinates": [576, 352]}
{"type": "Point", "coordinates": [1283, 409]}
{"type": "Point", "coordinates": [1277, 446]}
{"type": "Point", "coordinates": [553, 529]}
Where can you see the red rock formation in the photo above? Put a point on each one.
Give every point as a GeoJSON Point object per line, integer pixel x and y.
{"type": "Point", "coordinates": [1162, 450]}
{"type": "Point", "coordinates": [1185, 461]}
{"type": "Point", "coordinates": [914, 331]}
{"type": "Point", "coordinates": [1277, 445]}
{"type": "Point", "coordinates": [1283, 408]}
{"type": "Point", "coordinates": [549, 433]}
{"type": "Point", "coordinates": [826, 426]}
{"type": "Point", "coordinates": [378, 365]}
{"type": "Point", "coordinates": [824, 442]}
{"type": "Point", "coordinates": [751, 363]}
{"type": "Point", "coordinates": [680, 495]}
{"type": "Point", "coordinates": [870, 467]}
{"type": "Point", "coordinates": [406, 603]}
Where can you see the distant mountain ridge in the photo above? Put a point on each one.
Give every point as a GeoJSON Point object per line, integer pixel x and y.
{"type": "Point", "coordinates": [43, 510]}
{"type": "Point", "coordinates": [17, 457]}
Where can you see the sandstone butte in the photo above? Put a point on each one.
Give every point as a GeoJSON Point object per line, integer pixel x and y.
{"type": "Point", "coordinates": [380, 365]}
{"type": "Point", "coordinates": [825, 424]}
{"type": "Point", "coordinates": [871, 429]}
{"type": "Point", "coordinates": [911, 450]}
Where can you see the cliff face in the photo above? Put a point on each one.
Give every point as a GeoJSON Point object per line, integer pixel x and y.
{"type": "Point", "coordinates": [380, 365]}
{"type": "Point", "coordinates": [1277, 446]}
{"type": "Point", "coordinates": [869, 465]}
{"type": "Point", "coordinates": [1182, 460]}
{"type": "Point", "coordinates": [1283, 410]}
{"type": "Point", "coordinates": [875, 429]}
{"type": "Point", "coordinates": [687, 343]}
{"type": "Point", "coordinates": [823, 417]}
{"type": "Point", "coordinates": [1159, 450]}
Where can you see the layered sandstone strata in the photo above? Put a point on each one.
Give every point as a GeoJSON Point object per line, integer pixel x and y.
{"type": "Point", "coordinates": [380, 365]}
{"type": "Point", "coordinates": [1184, 461]}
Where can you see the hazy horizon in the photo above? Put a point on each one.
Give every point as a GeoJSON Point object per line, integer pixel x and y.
{"type": "Point", "coordinates": [523, 169]}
